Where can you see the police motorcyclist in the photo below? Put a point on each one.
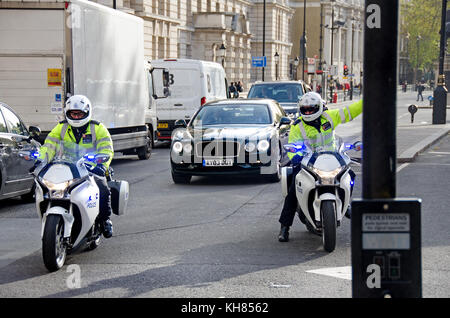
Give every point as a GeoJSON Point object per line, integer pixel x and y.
{"type": "Point", "coordinates": [316, 126]}
{"type": "Point", "coordinates": [93, 137]}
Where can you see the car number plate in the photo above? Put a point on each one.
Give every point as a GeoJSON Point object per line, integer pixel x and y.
{"type": "Point", "coordinates": [163, 125]}
{"type": "Point", "coordinates": [217, 162]}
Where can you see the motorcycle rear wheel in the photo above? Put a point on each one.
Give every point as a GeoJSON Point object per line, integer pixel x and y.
{"type": "Point", "coordinates": [54, 250]}
{"type": "Point", "coordinates": [328, 226]}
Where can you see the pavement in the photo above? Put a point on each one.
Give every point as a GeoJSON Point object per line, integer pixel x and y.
{"type": "Point", "coordinates": [412, 138]}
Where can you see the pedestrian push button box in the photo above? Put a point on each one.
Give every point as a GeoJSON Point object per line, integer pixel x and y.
{"type": "Point", "coordinates": [386, 248]}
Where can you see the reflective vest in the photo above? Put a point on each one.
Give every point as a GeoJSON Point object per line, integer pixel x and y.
{"type": "Point", "coordinates": [328, 122]}
{"type": "Point", "coordinates": [96, 139]}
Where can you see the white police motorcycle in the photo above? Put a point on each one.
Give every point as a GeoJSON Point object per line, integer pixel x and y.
{"type": "Point", "coordinates": [67, 202]}
{"type": "Point", "coordinates": [323, 187]}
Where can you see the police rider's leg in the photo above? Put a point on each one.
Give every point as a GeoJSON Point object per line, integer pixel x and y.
{"type": "Point", "coordinates": [105, 206]}
{"type": "Point", "coordinates": [289, 209]}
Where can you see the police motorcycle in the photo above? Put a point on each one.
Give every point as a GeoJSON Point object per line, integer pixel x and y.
{"type": "Point", "coordinates": [324, 186]}
{"type": "Point", "coordinates": [67, 202]}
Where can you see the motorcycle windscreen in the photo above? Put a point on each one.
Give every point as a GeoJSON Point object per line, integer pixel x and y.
{"type": "Point", "coordinates": [58, 173]}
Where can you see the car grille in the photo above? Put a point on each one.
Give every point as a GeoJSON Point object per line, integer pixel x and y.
{"type": "Point", "coordinates": [217, 148]}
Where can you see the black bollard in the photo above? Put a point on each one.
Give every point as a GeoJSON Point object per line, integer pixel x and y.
{"type": "Point", "coordinates": [412, 109]}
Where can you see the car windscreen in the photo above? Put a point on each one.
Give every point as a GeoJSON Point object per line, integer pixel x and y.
{"type": "Point", "coordinates": [282, 93]}
{"type": "Point", "coordinates": [232, 114]}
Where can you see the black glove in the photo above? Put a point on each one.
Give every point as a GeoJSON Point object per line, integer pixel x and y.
{"type": "Point", "coordinates": [98, 170]}
{"type": "Point", "coordinates": [296, 160]}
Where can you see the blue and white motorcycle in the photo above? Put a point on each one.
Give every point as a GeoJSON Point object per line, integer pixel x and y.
{"type": "Point", "coordinates": [324, 187]}
{"type": "Point", "coordinates": [67, 202]}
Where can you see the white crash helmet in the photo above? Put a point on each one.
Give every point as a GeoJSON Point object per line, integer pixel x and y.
{"type": "Point", "coordinates": [311, 106]}
{"type": "Point", "coordinates": [78, 103]}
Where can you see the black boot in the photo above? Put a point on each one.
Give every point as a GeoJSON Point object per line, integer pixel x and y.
{"type": "Point", "coordinates": [107, 228]}
{"type": "Point", "coordinates": [348, 213]}
{"type": "Point", "coordinates": [284, 234]}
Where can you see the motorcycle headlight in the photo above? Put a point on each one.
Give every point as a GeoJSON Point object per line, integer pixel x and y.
{"type": "Point", "coordinates": [327, 177]}
{"type": "Point", "coordinates": [263, 146]}
{"type": "Point", "coordinates": [57, 190]}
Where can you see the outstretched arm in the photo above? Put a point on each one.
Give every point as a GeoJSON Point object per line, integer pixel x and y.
{"type": "Point", "coordinates": [347, 113]}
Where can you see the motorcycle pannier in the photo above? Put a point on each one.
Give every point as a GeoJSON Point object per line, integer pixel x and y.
{"type": "Point", "coordinates": [119, 196]}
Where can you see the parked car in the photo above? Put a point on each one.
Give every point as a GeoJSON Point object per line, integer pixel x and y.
{"type": "Point", "coordinates": [244, 136]}
{"type": "Point", "coordinates": [287, 93]}
{"type": "Point", "coordinates": [15, 138]}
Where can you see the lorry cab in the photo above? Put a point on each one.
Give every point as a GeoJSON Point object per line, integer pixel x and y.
{"type": "Point", "coordinates": [192, 84]}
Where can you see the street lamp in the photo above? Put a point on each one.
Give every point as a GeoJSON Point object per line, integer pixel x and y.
{"type": "Point", "coordinates": [440, 93]}
{"type": "Point", "coordinates": [303, 41]}
{"type": "Point", "coordinates": [276, 58]}
{"type": "Point", "coordinates": [221, 53]}
{"type": "Point", "coordinates": [296, 61]}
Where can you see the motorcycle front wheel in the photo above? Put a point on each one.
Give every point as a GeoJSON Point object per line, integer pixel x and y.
{"type": "Point", "coordinates": [54, 250]}
{"type": "Point", "coordinates": [328, 225]}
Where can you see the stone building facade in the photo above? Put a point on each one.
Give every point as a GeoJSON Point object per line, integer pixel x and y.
{"type": "Point", "coordinates": [196, 29]}
{"type": "Point", "coordinates": [344, 30]}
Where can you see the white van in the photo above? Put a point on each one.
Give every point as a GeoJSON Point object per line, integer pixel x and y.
{"type": "Point", "coordinates": [192, 84]}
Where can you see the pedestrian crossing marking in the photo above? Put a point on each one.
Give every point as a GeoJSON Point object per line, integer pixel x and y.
{"type": "Point", "coordinates": [344, 272]}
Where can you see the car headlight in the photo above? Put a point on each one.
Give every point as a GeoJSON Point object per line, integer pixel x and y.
{"type": "Point", "coordinates": [327, 177]}
{"type": "Point", "coordinates": [187, 148]}
{"type": "Point", "coordinates": [177, 147]}
{"type": "Point", "coordinates": [249, 147]}
{"type": "Point", "coordinates": [263, 146]}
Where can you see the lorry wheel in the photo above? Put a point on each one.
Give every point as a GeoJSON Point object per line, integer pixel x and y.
{"type": "Point", "coordinates": [54, 250]}
{"type": "Point", "coordinates": [145, 152]}
{"type": "Point", "coordinates": [181, 178]}
{"type": "Point", "coordinates": [328, 226]}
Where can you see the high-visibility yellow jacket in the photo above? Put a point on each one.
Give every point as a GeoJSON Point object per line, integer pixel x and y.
{"type": "Point", "coordinates": [96, 139]}
{"type": "Point", "coordinates": [328, 122]}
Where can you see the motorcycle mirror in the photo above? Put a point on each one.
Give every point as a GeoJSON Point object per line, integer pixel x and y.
{"type": "Point", "coordinates": [358, 146]}
{"type": "Point", "coordinates": [101, 158]}
{"type": "Point", "coordinates": [26, 155]}
{"type": "Point", "coordinates": [294, 148]}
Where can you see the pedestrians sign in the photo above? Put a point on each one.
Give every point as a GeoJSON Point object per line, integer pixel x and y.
{"type": "Point", "coordinates": [386, 248]}
{"type": "Point", "coordinates": [259, 61]}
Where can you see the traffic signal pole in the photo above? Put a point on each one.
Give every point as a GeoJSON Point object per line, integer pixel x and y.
{"type": "Point", "coordinates": [385, 230]}
{"type": "Point", "coordinates": [380, 97]}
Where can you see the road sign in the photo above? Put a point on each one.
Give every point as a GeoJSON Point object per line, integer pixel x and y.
{"type": "Point", "coordinates": [333, 70]}
{"type": "Point", "coordinates": [259, 61]}
{"type": "Point", "coordinates": [386, 248]}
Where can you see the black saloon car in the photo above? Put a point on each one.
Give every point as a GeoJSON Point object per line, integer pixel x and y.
{"type": "Point", "coordinates": [239, 137]}
{"type": "Point", "coordinates": [15, 139]}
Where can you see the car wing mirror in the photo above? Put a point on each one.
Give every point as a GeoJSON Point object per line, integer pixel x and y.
{"type": "Point", "coordinates": [180, 123]}
{"type": "Point", "coordinates": [35, 132]}
{"type": "Point", "coordinates": [285, 121]}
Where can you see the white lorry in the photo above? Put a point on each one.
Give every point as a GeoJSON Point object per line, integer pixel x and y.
{"type": "Point", "coordinates": [50, 51]}
{"type": "Point", "coordinates": [192, 84]}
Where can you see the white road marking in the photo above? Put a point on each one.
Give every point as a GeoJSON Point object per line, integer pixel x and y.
{"type": "Point", "coordinates": [344, 272]}
{"type": "Point", "coordinates": [402, 166]}
{"type": "Point", "coordinates": [440, 152]}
